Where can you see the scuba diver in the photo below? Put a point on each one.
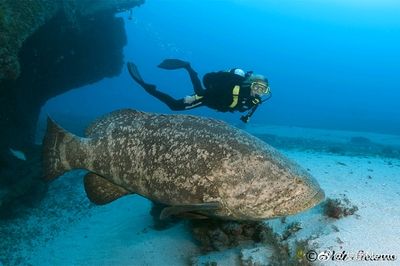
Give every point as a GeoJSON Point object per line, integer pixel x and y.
{"type": "Point", "coordinates": [225, 91]}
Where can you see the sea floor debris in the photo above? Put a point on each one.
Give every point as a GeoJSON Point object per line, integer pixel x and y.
{"type": "Point", "coordinates": [339, 207]}
{"type": "Point", "coordinates": [256, 242]}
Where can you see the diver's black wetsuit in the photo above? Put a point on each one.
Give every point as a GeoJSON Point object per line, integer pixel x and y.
{"type": "Point", "coordinates": [218, 93]}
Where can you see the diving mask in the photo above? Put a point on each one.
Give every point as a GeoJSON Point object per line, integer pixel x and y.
{"type": "Point", "coordinates": [259, 88]}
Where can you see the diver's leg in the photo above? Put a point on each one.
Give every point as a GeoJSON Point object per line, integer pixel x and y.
{"type": "Point", "coordinates": [173, 104]}
{"type": "Point", "coordinates": [193, 101]}
{"type": "Point", "coordinates": [189, 102]}
{"type": "Point", "coordinates": [197, 87]}
{"type": "Point", "coordinates": [171, 64]}
{"type": "Point", "coordinates": [152, 90]}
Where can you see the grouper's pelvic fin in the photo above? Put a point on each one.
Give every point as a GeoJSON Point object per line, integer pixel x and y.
{"type": "Point", "coordinates": [100, 191]}
{"type": "Point", "coordinates": [181, 210]}
{"type": "Point", "coordinates": [62, 151]}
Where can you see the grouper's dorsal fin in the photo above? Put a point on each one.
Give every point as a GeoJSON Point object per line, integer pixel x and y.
{"type": "Point", "coordinates": [119, 117]}
{"type": "Point", "coordinates": [101, 191]}
{"type": "Point", "coordinates": [188, 208]}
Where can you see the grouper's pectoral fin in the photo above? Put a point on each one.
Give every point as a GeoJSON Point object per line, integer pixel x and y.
{"type": "Point", "coordinates": [186, 209]}
{"type": "Point", "coordinates": [101, 191]}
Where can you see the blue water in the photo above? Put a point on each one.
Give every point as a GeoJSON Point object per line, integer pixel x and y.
{"type": "Point", "coordinates": [331, 64]}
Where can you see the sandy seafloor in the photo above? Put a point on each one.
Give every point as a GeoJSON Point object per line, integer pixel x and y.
{"type": "Point", "coordinates": [66, 229]}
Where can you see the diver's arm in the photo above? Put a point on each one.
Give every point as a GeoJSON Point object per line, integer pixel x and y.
{"type": "Point", "coordinates": [246, 118]}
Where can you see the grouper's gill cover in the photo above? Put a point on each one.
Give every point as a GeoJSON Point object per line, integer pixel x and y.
{"type": "Point", "coordinates": [182, 160]}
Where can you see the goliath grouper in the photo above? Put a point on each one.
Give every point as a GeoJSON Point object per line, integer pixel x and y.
{"type": "Point", "coordinates": [194, 165]}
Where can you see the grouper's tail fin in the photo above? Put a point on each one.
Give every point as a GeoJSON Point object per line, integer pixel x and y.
{"type": "Point", "coordinates": [59, 146]}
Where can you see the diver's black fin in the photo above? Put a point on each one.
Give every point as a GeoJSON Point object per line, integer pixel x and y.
{"type": "Point", "coordinates": [101, 191]}
{"type": "Point", "coordinates": [187, 208]}
{"type": "Point", "coordinates": [133, 70]}
{"type": "Point", "coordinates": [171, 64]}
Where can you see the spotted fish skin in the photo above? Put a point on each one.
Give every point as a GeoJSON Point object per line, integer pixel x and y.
{"type": "Point", "coordinates": [183, 159]}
